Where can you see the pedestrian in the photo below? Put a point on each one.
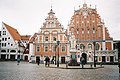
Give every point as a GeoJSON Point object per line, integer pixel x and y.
{"type": "Point", "coordinates": [38, 61]}
{"type": "Point", "coordinates": [82, 61]}
{"type": "Point", "coordinates": [18, 61]}
{"type": "Point", "coordinates": [47, 61]}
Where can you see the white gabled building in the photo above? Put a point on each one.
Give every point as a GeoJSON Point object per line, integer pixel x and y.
{"type": "Point", "coordinates": [11, 44]}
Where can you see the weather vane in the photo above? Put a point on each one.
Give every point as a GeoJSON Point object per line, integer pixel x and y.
{"type": "Point", "coordinates": [51, 4]}
{"type": "Point", "coordinates": [84, 1]}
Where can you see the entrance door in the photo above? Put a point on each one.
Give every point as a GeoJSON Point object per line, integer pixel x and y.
{"type": "Point", "coordinates": [103, 59]}
{"type": "Point", "coordinates": [3, 57]}
{"type": "Point", "coordinates": [26, 58]}
{"type": "Point", "coordinates": [12, 57]}
{"type": "Point", "coordinates": [111, 59]}
{"type": "Point", "coordinates": [63, 60]}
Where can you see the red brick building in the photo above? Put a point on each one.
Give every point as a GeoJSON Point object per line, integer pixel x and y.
{"type": "Point", "coordinates": [86, 27]}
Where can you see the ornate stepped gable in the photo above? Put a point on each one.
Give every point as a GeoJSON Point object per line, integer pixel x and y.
{"type": "Point", "coordinates": [88, 24]}
{"type": "Point", "coordinates": [51, 21]}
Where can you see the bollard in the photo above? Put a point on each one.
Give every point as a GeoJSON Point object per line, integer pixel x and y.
{"type": "Point", "coordinates": [66, 65]}
{"type": "Point", "coordinates": [91, 65]}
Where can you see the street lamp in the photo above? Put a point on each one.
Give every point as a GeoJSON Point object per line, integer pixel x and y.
{"type": "Point", "coordinates": [94, 54]}
{"type": "Point", "coordinates": [55, 53]}
{"type": "Point", "coordinates": [58, 42]}
{"type": "Point", "coordinates": [19, 49]}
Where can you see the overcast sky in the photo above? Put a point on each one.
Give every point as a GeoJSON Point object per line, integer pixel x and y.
{"type": "Point", "coordinates": [27, 16]}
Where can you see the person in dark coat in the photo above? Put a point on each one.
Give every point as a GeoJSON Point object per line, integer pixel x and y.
{"type": "Point", "coordinates": [38, 61]}
{"type": "Point", "coordinates": [18, 61]}
{"type": "Point", "coordinates": [47, 61]}
{"type": "Point", "coordinates": [82, 60]}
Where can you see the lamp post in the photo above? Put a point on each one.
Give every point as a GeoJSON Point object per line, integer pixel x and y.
{"type": "Point", "coordinates": [118, 48]}
{"type": "Point", "coordinates": [19, 49]}
{"type": "Point", "coordinates": [94, 54]}
{"type": "Point", "coordinates": [58, 42]}
{"type": "Point", "coordinates": [55, 53]}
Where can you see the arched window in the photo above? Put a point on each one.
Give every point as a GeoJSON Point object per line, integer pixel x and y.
{"type": "Point", "coordinates": [13, 51]}
{"type": "Point", "coordinates": [89, 46]}
{"type": "Point", "coordinates": [3, 50]}
{"type": "Point", "coordinates": [97, 46]}
{"type": "Point", "coordinates": [82, 46]}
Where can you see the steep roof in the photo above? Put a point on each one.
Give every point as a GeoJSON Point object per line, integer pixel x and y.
{"type": "Point", "coordinates": [25, 37]}
{"type": "Point", "coordinates": [14, 33]}
{"type": "Point", "coordinates": [32, 38]}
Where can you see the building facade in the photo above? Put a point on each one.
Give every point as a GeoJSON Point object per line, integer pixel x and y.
{"type": "Point", "coordinates": [11, 43]}
{"type": "Point", "coordinates": [89, 37]}
{"type": "Point", "coordinates": [44, 43]}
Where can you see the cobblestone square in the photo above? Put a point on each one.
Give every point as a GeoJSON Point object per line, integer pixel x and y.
{"type": "Point", "coordinates": [29, 71]}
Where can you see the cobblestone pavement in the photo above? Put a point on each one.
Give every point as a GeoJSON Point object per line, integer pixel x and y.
{"type": "Point", "coordinates": [28, 71]}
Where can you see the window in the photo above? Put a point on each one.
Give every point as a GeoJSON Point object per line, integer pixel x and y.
{"type": "Point", "coordinates": [38, 48]}
{"type": "Point", "coordinates": [4, 32]}
{"type": "Point", "coordinates": [11, 44]}
{"type": "Point", "coordinates": [0, 33]}
{"type": "Point", "coordinates": [93, 30]}
{"type": "Point", "coordinates": [82, 31]}
{"type": "Point", "coordinates": [12, 51]}
{"type": "Point", "coordinates": [89, 46]}
{"type": "Point", "coordinates": [88, 30]}
{"type": "Point", "coordinates": [2, 39]}
{"type": "Point", "coordinates": [97, 46]}
{"type": "Point", "coordinates": [8, 37]}
{"type": "Point", "coordinates": [3, 44]}
{"type": "Point", "coordinates": [82, 46]}
{"type": "Point", "coordinates": [46, 48]}
{"type": "Point", "coordinates": [8, 43]}
{"type": "Point", "coordinates": [63, 48]}
{"type": "Point", "coordinates": [5, 39]}
{"type": "Point", "coordinates": [54, 48]}
{"type": "Point", "coordinates": [54, 38]}
{"type": "Point", "coordinates": [46, 38]}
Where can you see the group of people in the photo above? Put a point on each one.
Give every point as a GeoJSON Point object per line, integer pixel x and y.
{"type": "Point", "coordinates": [47, 61]}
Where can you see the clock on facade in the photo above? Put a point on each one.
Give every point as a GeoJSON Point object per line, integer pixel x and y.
{"type": "Point", "coordinates": [85, 13]}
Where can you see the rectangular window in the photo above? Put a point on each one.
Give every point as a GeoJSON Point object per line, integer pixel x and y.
{"type": "Point", "coordinates": [2, 39]}
{"type": "Point", "coordinates": [46, 48]}
{"type": "Point", "coordinates": [0, 33]}
{"type": "Point", "coordinates": [5, 39]}
{"type": "Point", "coordinates": [54, 38]}
{"type": "Point", "coordinates": [4, 32]}
{"type": "Point", "coordinates": [63, 48]}
{"type": "Point", "coordinates": [46, 38]}
{"type": "Point", "coordinates": [38, 48]}
{"type": "Point", "coordinates": [54, 48]}
{"type": "Point", "coordinates": [3, 44]}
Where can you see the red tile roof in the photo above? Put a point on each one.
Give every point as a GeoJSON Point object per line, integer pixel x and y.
{"type": "Point", "coordinates": [14, 33]}
{"type": "Point", "coordinates": [25, 37]}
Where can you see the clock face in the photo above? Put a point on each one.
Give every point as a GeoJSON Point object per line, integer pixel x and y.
{"type": "Point", "coordinates": [85, 13]}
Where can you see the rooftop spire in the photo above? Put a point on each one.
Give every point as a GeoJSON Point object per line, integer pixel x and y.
{"type": "Point", "coordinates": [51, 5]}
{"type": "Point", "coordinates": [84, 1]}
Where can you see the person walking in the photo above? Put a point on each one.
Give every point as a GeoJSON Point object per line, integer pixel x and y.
{"type": "Point", "coordinates": [47, 61]}
{"type": "Point", "coordinates": [82, 61]}
{"type": "Point", "coordinates": [18, 61]}
{"type": "Point", "coordinates": [38, 61]}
